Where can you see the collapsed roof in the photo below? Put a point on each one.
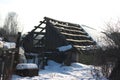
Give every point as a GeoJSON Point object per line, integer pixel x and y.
{"type": "Point", "coordinates": [51, 34]}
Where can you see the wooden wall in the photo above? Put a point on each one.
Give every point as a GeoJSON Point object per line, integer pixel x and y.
{"type": "Point", "coordinates": [53, 37]}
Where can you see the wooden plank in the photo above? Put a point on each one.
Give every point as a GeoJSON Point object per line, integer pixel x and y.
{"type": "Point", "coordinates": [75, 35]}
{"type": "Point", "coordinates": [39, 27]}
{"type": "Point", "coordinates": [71, 30]}
{"type": "Point", "coordinates": [43, 29]}
{"type": "Point", "coordinates": [42, 33]}
{"type": "Point", "coordinates": [38, 33]}
{"type": "Point", "coordinates": [79, 40]}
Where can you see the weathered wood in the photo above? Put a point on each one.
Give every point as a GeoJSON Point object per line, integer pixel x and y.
{"type": "Point", "coordinates": [39, 41]}
{"type": "Point", "coordinates": [38, 33]}
{"type": "Point", "coordinates": [78, 46]}
{"type": "Point", "coordinates": [54, 38]}
{"type": "Point", "coordinates": [41, 22]}
{"type": "Point", "coordinates": [8, 61]}
{"type": "Point", "coordinates": [79, 40]}
{"type": "Point", "coordinates": [42, 33]}
{"type": "Point", "coordinates": [39, 27]}
{"type": "Point", "coordinates": [69, 27]}
{"type": "Point", "coordinates": [18, 40]}
{"type": "Point", "coordinates": [78, 31]}
{"type": "Point", "coordinates": [56, 34]}
{"type": "Point", "coordinates": [62, 22]}
{"type": "Point", "coordinates": [75, 35]}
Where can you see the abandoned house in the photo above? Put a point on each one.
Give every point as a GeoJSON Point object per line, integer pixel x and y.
{"type": "Point", "coordinates": [57, 40]}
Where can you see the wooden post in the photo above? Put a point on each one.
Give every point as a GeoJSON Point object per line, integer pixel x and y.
{"type": "Point", "coordinates": [18, 40]}
{"type": "Point", "coordinates": [3, 65]}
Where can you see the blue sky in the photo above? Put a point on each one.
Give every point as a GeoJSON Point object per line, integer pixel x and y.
{"type": "Point", "coordinates": [93, 13]}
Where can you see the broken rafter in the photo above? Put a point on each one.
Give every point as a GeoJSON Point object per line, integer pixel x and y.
{"type": "Point", "coordinates": [39, 33]}
{"type": "Point", "coordinates": [38, 27]}
{"type": "Point", "coordinates": [41, 22]}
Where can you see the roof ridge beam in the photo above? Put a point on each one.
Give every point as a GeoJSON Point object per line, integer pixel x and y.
{"type": "Point", "coordinates": [68, 23]}
{"type": "Point", "coordinates": [69, 27]}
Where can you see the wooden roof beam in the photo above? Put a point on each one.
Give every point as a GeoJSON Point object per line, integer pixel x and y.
{"type": "Point", "coordinates": [39, 27]}
{"type": "Point", "coordinates": [42, 33]}
{"type": "Point", "coordinates": [78, 31]}
{"type": "Point", "coordinates": [61, 22]}
{"type": "Point", "coordinates": [75, 35]}
{"type": "Point", "coordinates": [68, 27]}
{"type": "Point", "coordinates": [78, 46]}
{"type": "Point", "coordinates": [79, 40]}
{"type": "Point", "coordinates": [41, 22]}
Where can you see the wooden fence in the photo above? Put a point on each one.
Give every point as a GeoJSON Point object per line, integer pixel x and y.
{"type": "Point", "coordinates": [8, 61]}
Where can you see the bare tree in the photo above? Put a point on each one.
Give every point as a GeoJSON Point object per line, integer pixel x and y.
{"type": "Point", "coordinates": [11, 23]}
{"type": "Point", "coordinates": [112, 33]}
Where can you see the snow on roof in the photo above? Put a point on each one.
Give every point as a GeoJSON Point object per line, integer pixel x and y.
{"type": "Point", "coordinates": [94, 33]}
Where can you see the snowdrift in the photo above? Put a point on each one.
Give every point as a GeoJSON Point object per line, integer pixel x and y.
{"type": "Point", "coordinates": [56, 71]}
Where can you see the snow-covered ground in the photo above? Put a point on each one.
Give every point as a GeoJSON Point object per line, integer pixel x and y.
{"type": "Point", "coordinates": [56, 71]}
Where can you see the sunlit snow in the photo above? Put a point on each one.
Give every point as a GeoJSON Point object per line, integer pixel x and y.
{"type": "Point", "coordinates": [56, 71]}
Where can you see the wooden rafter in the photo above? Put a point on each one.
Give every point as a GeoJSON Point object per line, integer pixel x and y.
{"type": "Point", "coordinates": [41, 22]}
{"type": "Point", "coordinates": [68, 27]}
{"type": "Point", "coordinates": [39, 33]}
{"type": "Point", "coordinates": [79, 40]}
{"type": "Point", "coordinates": [61, 22]}
{"type": "Point", "coordinates": [75, 35]}
{"type": "Point", "coordinates": [39, 27]}
{"type": "Point", "coordinates": [78, 31]}
{"type": "Point", "coordinates": [78, 46]}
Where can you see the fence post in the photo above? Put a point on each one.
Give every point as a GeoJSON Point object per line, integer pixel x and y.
{"type": "Point", "coordinates": [3, 65]}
